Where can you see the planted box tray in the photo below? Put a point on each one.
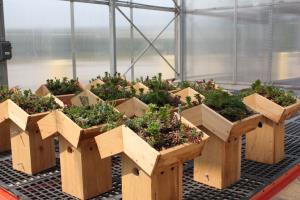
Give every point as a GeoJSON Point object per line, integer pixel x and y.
{"type": "Point", "coordinates": [266, 143]}
{"type": "Point", "coordinates": [84, 174]}
{"type": "Point", "coordinates": [30, 154]}
{"type": "Point", "coordinates": [132, 107]}
{"type": "Point", "coordinates": [63, 92]}
{"type": "Point", "coordinates": [148, 173]}
{"type": "Point", "coordinates": [220, 163]}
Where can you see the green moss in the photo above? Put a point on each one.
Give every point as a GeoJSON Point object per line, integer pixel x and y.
{"type": "Point", "coordinates": [32, 103]}
{"type": "Point", "coordinates": [271, 92]}
{"type": "Point", "coordinates": [229, 106]}
{"type": "Point", "coordinates": [109, 91]}
{"type": "Point", "coordinates": [162, 129]}
{"type": "Point", "coordinates": [94, 115]}
{"type": "Point", "coordinates": [63, 86]}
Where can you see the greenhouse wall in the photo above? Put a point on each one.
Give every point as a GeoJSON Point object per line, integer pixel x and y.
{"type": "Point", "coordinates": [241, 41]}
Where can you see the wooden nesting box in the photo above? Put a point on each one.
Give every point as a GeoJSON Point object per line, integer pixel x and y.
{"type": "Point", "coordinates": [148, 174]}
{"type": "Point", "coordinates": [66, 99]}
{"type": "Point", "coordinates": [220, 163]}
{"type": "Point", "coordinates": [86, 97]}
{"type": "Point", "coordinates": [30, 153]}
{"type": "Point", "coordinates": [266, 143]}
{"type": "Point", "coordinates": [4, 129]}
{"type": "Point", "coordinates": [83, 173]}
{"type": "Point", "coordinates": [133, 107]}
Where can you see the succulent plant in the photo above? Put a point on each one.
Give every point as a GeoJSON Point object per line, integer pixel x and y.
{"type": "Point", "coordinates": [63, 86]}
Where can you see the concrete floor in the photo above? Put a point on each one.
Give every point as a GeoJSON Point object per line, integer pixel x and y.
{"type": "Point", "coordinates": [291, 192]}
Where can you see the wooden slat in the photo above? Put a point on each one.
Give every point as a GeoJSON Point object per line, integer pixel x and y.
{"type": "Point", "coordinates": [42, 90]}
{"type": "Point", "coordinates": [4, 111]}
{"type": "Point", "coordinates": [132, 107]}
{"type": "Point", "coordinates": [291, 111]}
{"type": "Point", "coordinates": [216, 123]}
{"type": "Point", "coordinates": [48, 126]}
{"type": "Point", "coordinates": [92, 98]}
{"type": "Point", "coordinates": [68, 129]}
{"type": "Point", "coordinates": [111, 142]}
{"type": "Point", "coordinates": [139, 151]}
{"type": "Point", "coordinates": [188, 92]}
{"type": "Point", "coordinates": [5, 136]}
{"type": "Point", "coordinates": [245, 125]}
{"type": "Point", "coordinates": [193, 115]}
{"type": "Point", "coordinates": [17, 115]}
{"type": "Point", "coordinates": [264, 106]}
{"type": "Point", "coordinates": [139, 86]}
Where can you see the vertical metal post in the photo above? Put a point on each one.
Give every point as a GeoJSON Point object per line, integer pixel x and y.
{"type": "Point", "coordinates": [3, 65]}
{"type": "Point", "coordinates": [73, 46]}
{"type": "Point", "coordinates": [235, 42]}
{"type": "Point", "coordinates": [113, 42]}
{"type": "Point", "coordinates": [182, 41]}
{"type": "Point", "coordinates": [132, 42]}
{"type": "Point", "coordinates": [271, 34]}
{"type": "Point", "coordinates": [177, 43]}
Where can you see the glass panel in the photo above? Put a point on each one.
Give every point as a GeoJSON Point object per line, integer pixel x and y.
{"type": "Point", "coordinates": [40, 40]}
{"type": "Point", "coordinates": [253, 44]}
{"type": "Point", "coordinates": [92, 40]}
{"type": "Point", "coordinates": [151, 63]}
{"type": "Point", "coordinates": [165, 3]}
{"type": "Point", "coordinates": [210, 44]}
{"type": "Point", "coordinates": [286, 42]}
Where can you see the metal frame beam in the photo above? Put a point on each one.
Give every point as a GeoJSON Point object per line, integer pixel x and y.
{"type": "Point", "coordinates": [127, 4]}
{"type": "Point", "coordinates": [147, 40]}
{"type": "Point", "coordinates": [73, 40]}
{"type": "Point", "coordinates": [113, 40]}
{"type": "Point", "coordinates": [181, 48]}
{"type": "Point", "coordinates": [3, 65]}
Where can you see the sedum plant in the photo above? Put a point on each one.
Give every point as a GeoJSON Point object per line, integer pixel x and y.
{"type": "Point", "coordinates": [229, 106]}
{"type": "Point", "coordinates": [109, 91]}
{"type": "Point", "coordinates": [157, 83]}
{"type": "Point", "coordinates": [159, 98]}
{"type": "Point", "coordinates": [94, 115]}
{"type": "Point", "coordinates": [271, 92]}
{"type": "Point", "coordinates": [63, 86]}
{"type": "Point", "coordinates": [160, 128]}
{"type": "Point", "coordinates": [116, 79]}
{"type": "Point", "coordinates": [202, 86]}
{"type": "Point", "coordinates": [32, 103]}
{"type": "Point", "coordinates": [6, 93]}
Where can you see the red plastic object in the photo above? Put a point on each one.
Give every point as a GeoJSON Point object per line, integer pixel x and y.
{"type": "Point", "coordinates": [278, 185]}
{"type": "Point", "coordinates": [5, 195]}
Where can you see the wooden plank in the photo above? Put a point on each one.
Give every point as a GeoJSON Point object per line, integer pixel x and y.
{"type": "Point", "coordinates": [266, 144]}
{"type": "Point", "coordinates": [83, 173]}
{"type": "Point", "coordinates": [264, 106]}
{"type": "Point", "coordinates": [245, 125]}
{"type": "Point", "coordinates": [4, 111]}
{"type": "Point", "coordinates": [193, 115]}
{"type": "Point", "coordinates": [110, 143]}
{"type": "Point", "coordinates": [5, 136]}
{"type": "Point", "coordinates": [42, 90]}
{"type": "Point", "coordinates": [291, 111]}
{"type": "Point", "coordinates": [214, 122]}
{"type": "Point", "coordinates": [136, 184]}
{"type": "Point", "coordinates": [146, 157]}
{"type": "Point", "coordinates": [17, 115]}
{"type": "Point", "coordinates": [188, 92]}
{"type": "Point", "coordinates": [66, 99]}
{"type": "Point", "coordinates": [220, 163]}
{"type": "Point", "coordinates": [139, 86]}
{"type": "Point", "coordinates": [68, 129]}
{"type": "Point", "coordinates": [132, 107]}
{"type": "Point", "coordinates": [92, 98]}
{"type": "Point", "coordinates": [48, 126]}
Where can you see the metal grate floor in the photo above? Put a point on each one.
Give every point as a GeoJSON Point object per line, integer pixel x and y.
{"type": "Point", "coordinates": [255, 176]}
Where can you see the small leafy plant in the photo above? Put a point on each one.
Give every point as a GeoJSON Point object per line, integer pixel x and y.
{"type": "Point", "coordinates": [271, 92]}
{"type": "Point", "coordinates": [191, 103]}
{"type": "Point", "coordinates": [157, 83]}
{"type": "Point", "coordinates": [159, 98]}
{"type": "Point", "coordinates": [202, 86]}
{"type": "Point", "coordinates": [63, 86]}
{"type": "Point", "coordinates": [163, 129]}
{"type": "Point", "coordinates": [229, 106]}
{"type": "Point", "coordinates": [109, 91]}
{"type": "Point", "coordinates": [32, 103]}
{"type": "Point", "coordinates": [116, 79]}
{"type": "Point", "coordinates": [6, 93]}
{"type": "Point", "coordinates": [94, 115]}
